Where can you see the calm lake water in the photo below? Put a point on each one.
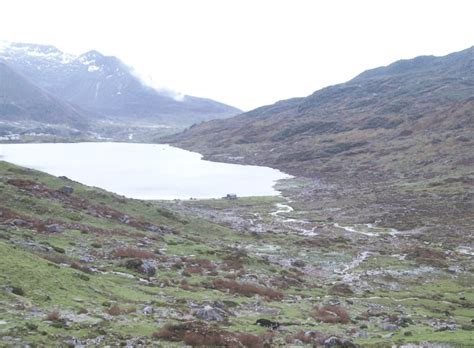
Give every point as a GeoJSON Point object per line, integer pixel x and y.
{"type": "Point", "coordinates": [144, 171]}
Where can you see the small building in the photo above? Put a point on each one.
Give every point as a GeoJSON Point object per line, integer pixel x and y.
{"type": "Point", "coordinates": [231, 196]}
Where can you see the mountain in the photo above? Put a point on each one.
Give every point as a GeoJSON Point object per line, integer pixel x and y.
{"type": "Point", "coordinates": [395, 144]}
{"type": "Point", "coordinates": [106, 87]}
{"type": "Point", "coordinates": [23, 102]}
{"type": "Point", "coordinates": [383, 119]}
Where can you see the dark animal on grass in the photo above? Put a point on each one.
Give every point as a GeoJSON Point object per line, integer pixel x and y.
{"type": "Point", "coordinates": [268, 323]}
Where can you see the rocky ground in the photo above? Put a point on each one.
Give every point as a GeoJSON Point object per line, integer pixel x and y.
{"type": "Point", "coordinates": [81, 266]}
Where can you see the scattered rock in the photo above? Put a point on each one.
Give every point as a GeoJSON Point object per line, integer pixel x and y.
{"type": "Point", "coordinates": [341, 290]}
{"type": "Point", "coordinates": [209, 313]}
{"type": "Point", "coordinates": [19, 222]}
{"type": "Point", "coordinates": [54, 228]}
{"type": "Point", "coordinates": [463, 138]}
{"type": "Point", "coordinates": [148, 310]}
{"type": "Point", "coordinates": [445, 327]}
{"type": "Point", "coordinates": [125, 219]}
{"type": "Point", "coordinates": [148, 269]}
{"type": "Point", "coordinates": [141, 266]}
{"type": "Point", "coordinates": [338, 342]}
{"type": "Point", "coordinates": [389, 327]}
{"type": "Point", "coordinates": [67, 190]}
{"type": "Point", "coordinates": [153, 228]}
{"type": "Point", "coordinates": [453, 269]}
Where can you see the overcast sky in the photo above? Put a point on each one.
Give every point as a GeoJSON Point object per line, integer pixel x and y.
{"type": "Point", "coordinates": [246, 53]}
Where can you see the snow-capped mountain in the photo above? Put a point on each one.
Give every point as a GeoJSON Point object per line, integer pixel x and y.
{"type": "Point", "coordinates": [106, 87]}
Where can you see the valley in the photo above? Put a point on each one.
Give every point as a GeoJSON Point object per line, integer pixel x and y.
{"type": "Point", "coordinates": [370, 243]}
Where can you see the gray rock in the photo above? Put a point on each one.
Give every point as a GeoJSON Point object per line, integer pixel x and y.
{"type": "Point", "coordinates": [148, 310]}
{"type": "Point", "coordinates": [338, 342]}
{"type": "Point", "coordinates": [389, 327]}
{"type": "Point", "coordinates": [19, 222]}
{"type": "Point", "coordinates": [445, 327]}
{"type": "Point", "coordinates": [67, 190]}
{"type": "Point", "coordinates": [209, 313]}
{"type": "Point", "coordinates": [148, 269]}
{"type": "Point", "coordinates": [141, 266]}
{"type": "Point", "coordinates": [54, 228]}
{"type": "Point", "coordinates": [153, 228]}
{"type": "Point", "coordinates": [453, 269]}
{"type": "Point", "coordinates": [125, 219]}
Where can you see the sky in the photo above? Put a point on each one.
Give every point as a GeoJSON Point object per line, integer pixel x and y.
{"type": "Point", "coordinates": [246, 53]}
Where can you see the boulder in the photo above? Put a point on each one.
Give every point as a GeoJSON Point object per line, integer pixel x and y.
{"type": "Point", "coordinates": [338, 342]}
{"type": "Point", "coordinates": [141, 266]}
{"type": "Point", "coordinates": [208, 313]}
{"type": "Point", "coordinates": [19, 222]}
{"type": "Point", "coordinates": [53, 228]}
{"type": "Point", "coordinates": [389, 327]}
{"type": "Point", "coordinates": [67, 190]}
{"type": "Point", "coordinates": [125, 219]}
{"type": "Point", "coordinates": [148, 269]}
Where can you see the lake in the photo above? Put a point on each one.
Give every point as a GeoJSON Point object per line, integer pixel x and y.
{"type": "Point", "coordinates": [144, 171]}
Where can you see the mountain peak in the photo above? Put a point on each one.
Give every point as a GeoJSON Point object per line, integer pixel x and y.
{"type": "Point", "coordinates": [93, 54]}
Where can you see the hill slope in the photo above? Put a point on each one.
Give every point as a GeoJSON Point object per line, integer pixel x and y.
{"type": "Point", "coordinates": [23, 102]}
{"type": "Point", "coordinates": [82, 266]}
{"type": "Point", "coordinates": [423, 106]}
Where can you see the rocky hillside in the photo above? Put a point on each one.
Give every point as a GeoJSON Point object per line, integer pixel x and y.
{"type": "Point", "coordinates": [81, 266]}
{"type": "Point", "coordinates": [407, 129]}
{"type": "Point", "coordinates": [21, 103]}
{"type": "Point", "coordinates": [390, 120]}
{"type": "Point", "coordinates": [106, 87]}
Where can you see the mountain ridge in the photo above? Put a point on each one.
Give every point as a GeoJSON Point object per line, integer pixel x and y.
{"type": "Point", "coordinates": [21, 100]}
{"type": "Point", "coordinates": [105, 87]}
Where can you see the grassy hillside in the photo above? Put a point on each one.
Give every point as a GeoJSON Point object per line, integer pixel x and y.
{"type": "Point", "coordinates": [83, 266]}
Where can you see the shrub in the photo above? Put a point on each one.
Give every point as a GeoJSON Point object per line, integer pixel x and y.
{"type": "Point", "coordinates": [193, 270]}
{"type": "Point", "coordinates": [249, 340]}
{"type": "Point", "coordinates": [331, 314]}
{"type": "Point", "coordinates": [80, 267]}
{"type": "Point", "coordinates": [200, 334]}
{"type": "Point", "coordinates": [117, 310]}
{"type": "Point", "coordinates": [18, 291]}
{"type": "Point", "coordinates": [203, 263]}
{"type": "Point", "coordinates": [136, 253]}
{"type": "Point", "coordinates": [53, 316]}
{"type": "Point", "coordinates": [246, 289]}
{"type": "Point", "coordinates": [56, 258]}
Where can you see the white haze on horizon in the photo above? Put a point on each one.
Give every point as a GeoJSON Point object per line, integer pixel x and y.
{"type": "Point", "coordinates": [242, 52]}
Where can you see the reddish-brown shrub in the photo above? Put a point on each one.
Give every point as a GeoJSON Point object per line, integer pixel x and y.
{"type": "Point", "coordinates": [53, 316]}
{"type": "Point", "coordinates": [249, 340]}
{"type": "Point", "coordinates": [200, 334]}
{"type": "Point", "coordinates": [56, 258]}
{"type": "Point", "coordinates": [117, 310]}
{"type": "Point", "coordinates": [230, 265]}
{"type": "Point", "coordinates": [331, 314]}
{"type": "Point", "coordinates": [185, 285]}
{"type": "Point", "coordinates": [193, 270]}
{"type": "Point", "coordinates": [203, 263]}
{"type": "Point", "coordinates": [208, 339]}
{"type": "Point", "coordinates": [246, 289]}
{"type": "Point", "coordinates": [173, 332]}
{"type": "Point", "coordinates": [135, 253]}
{"type": "Point", "coordinates": [80, 267]}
